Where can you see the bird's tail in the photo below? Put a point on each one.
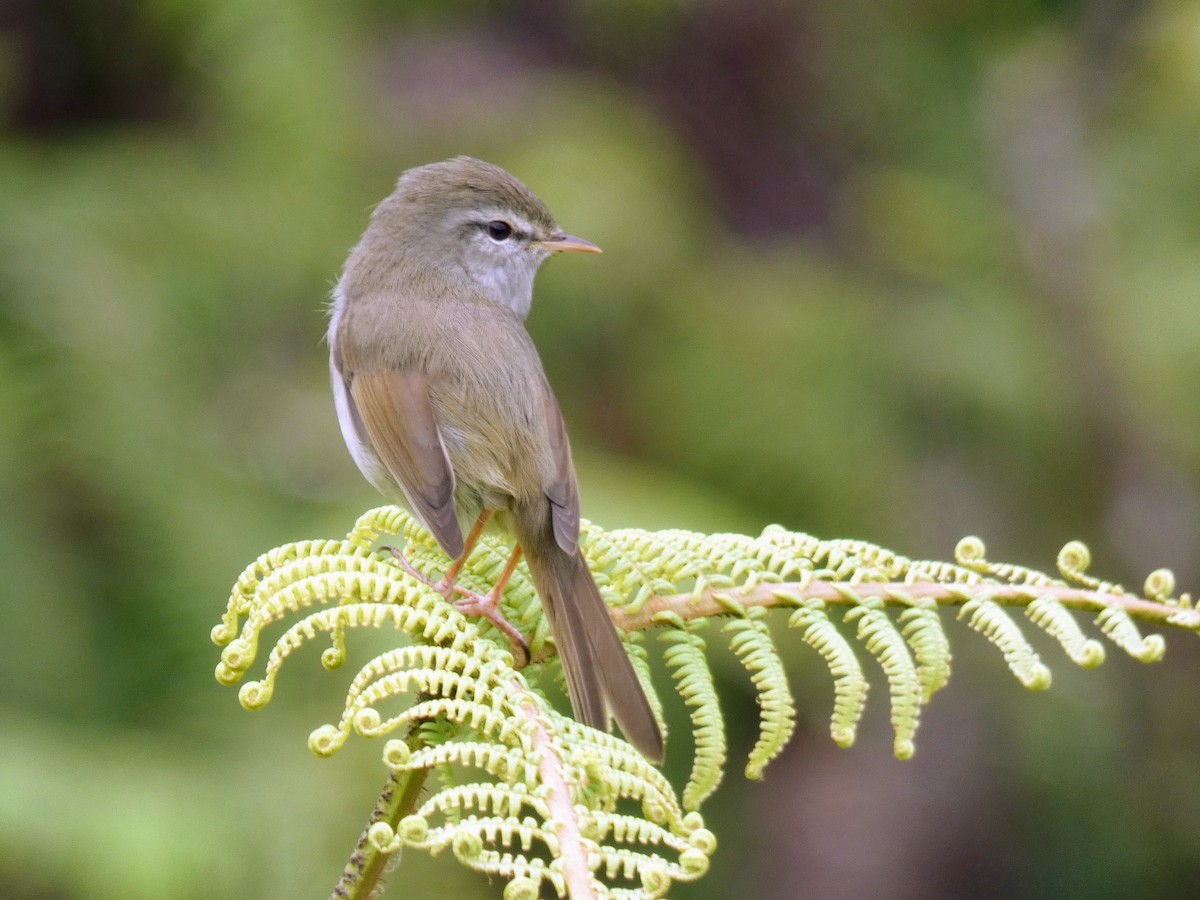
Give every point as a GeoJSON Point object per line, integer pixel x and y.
{"type": "Point", "coordinates": [600, 678]}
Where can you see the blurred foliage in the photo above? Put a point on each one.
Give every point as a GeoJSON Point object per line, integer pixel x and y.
{"type": "Point", "coordinates": [891, 271]}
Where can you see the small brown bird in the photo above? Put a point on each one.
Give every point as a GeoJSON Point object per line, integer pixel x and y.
{"type": "Point", "coordinates": [445, 407]}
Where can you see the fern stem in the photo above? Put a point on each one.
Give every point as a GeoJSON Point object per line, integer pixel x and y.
{"type": "Point", "coordinates": [398, 799]}
{"type": "Point", "coordinates": [706, 604]}
{"type": "Point", "coordinates": [561, 804]}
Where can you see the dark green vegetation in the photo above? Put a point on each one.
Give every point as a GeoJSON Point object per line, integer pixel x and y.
{"type": "Point", "coordinates": [895, 272]}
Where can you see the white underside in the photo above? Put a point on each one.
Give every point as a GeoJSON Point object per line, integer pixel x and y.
{"type": "Point", "coordinates": [360, 450]}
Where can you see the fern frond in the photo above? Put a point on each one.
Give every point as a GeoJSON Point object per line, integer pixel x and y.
{"type": "Point", "coordinates": [922, 629]}
{"type": "Point", "coordinates": [971, 553]}
{"type": "Point", "coordinates": [641, 665]}
{"type": "Point", "coordinates": [991, 620]}
{"type": "Point", "coordinates": [849, 682]}
{"type": "Point", "coordinates": [1118, 626]}
{"type": "Point", "coordinates": [623, 563]}
{"type": "Point", "coordinates": [495, 826]}
{"type": "Point", "coordinates": [694, 682]}
{"type": "Point", "coordinates": [885, 642]}
{"type": "Point", "coordinates": [521, 792]}
{"type": "Point", "coordinates": [1048, 613]}
{"type": "Point", "coordinates": [752, 644]}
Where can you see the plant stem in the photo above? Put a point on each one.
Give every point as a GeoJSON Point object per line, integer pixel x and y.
{"type": "Point", "coordinates": [365, 867]}
{"type": "Point", "coordinates": [561, 804]}
{"type": "Point", "coordinates": [714, 602]}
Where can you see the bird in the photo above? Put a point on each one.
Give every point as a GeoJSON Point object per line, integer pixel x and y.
{"type": "Point", "coordinates": [445, 407]}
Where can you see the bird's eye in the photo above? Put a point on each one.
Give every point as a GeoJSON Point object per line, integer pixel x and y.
{"type": "Point", "coordinates": [498, 230]}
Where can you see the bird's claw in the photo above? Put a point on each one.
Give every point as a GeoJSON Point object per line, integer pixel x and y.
{"type": "Point", "coordinates": [444, 587]}
{"type": "Point", "coordinates": [488, 606]}
{"type": "Point", "coordinates": [471, 604]}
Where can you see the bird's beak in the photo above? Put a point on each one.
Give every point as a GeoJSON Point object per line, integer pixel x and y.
{"type": "Point", "coordinates": [567, 243]}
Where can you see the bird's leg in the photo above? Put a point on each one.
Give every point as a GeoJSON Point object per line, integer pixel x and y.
{"type": "Point", "coordinates": [446, 587]}
{"type": "Point", "coordinates": [470, 603]}
{"type": "Point", "coordinates": [489, 607]}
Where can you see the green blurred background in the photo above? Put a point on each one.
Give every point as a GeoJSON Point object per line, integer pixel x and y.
{"type": "Point", "coordinates": [886, 270]}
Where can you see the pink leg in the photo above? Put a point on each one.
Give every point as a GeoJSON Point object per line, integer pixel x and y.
{"type": "Point", "coordinates": [473, 604]}
{"type": "Point", "coordinates": [489, 608]}
{"type": "Point", "coordinates": [446, 586]}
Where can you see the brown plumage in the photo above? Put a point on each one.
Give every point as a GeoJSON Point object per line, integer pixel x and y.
{"type": "Point", "coordinates": [445, 407]}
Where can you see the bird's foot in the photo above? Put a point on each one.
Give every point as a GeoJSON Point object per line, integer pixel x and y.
{"type": "Point", "coordinates": [472, 604]}
{"type": "Point", "coordinates": [445, 586]}
{"type": "Point", "coordinates": [488, 606]}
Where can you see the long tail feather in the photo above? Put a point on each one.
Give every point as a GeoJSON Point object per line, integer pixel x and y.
{"type": "Point", "coordinates": [600, 678]}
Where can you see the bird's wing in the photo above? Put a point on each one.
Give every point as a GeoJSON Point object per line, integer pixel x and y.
{"type": "Point", "coordinates": [563, 490]}
{"type": "Point", "coordinates": [395, 408]}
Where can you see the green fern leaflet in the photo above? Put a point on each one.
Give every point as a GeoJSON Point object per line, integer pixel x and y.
{"type": "Point", "coordinates": [527, 795]}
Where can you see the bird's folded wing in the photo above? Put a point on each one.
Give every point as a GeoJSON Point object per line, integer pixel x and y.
{"type": "Point", "coordinates": [563, 491]}
{"type": "Point", "coordinates": [396, 410]}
